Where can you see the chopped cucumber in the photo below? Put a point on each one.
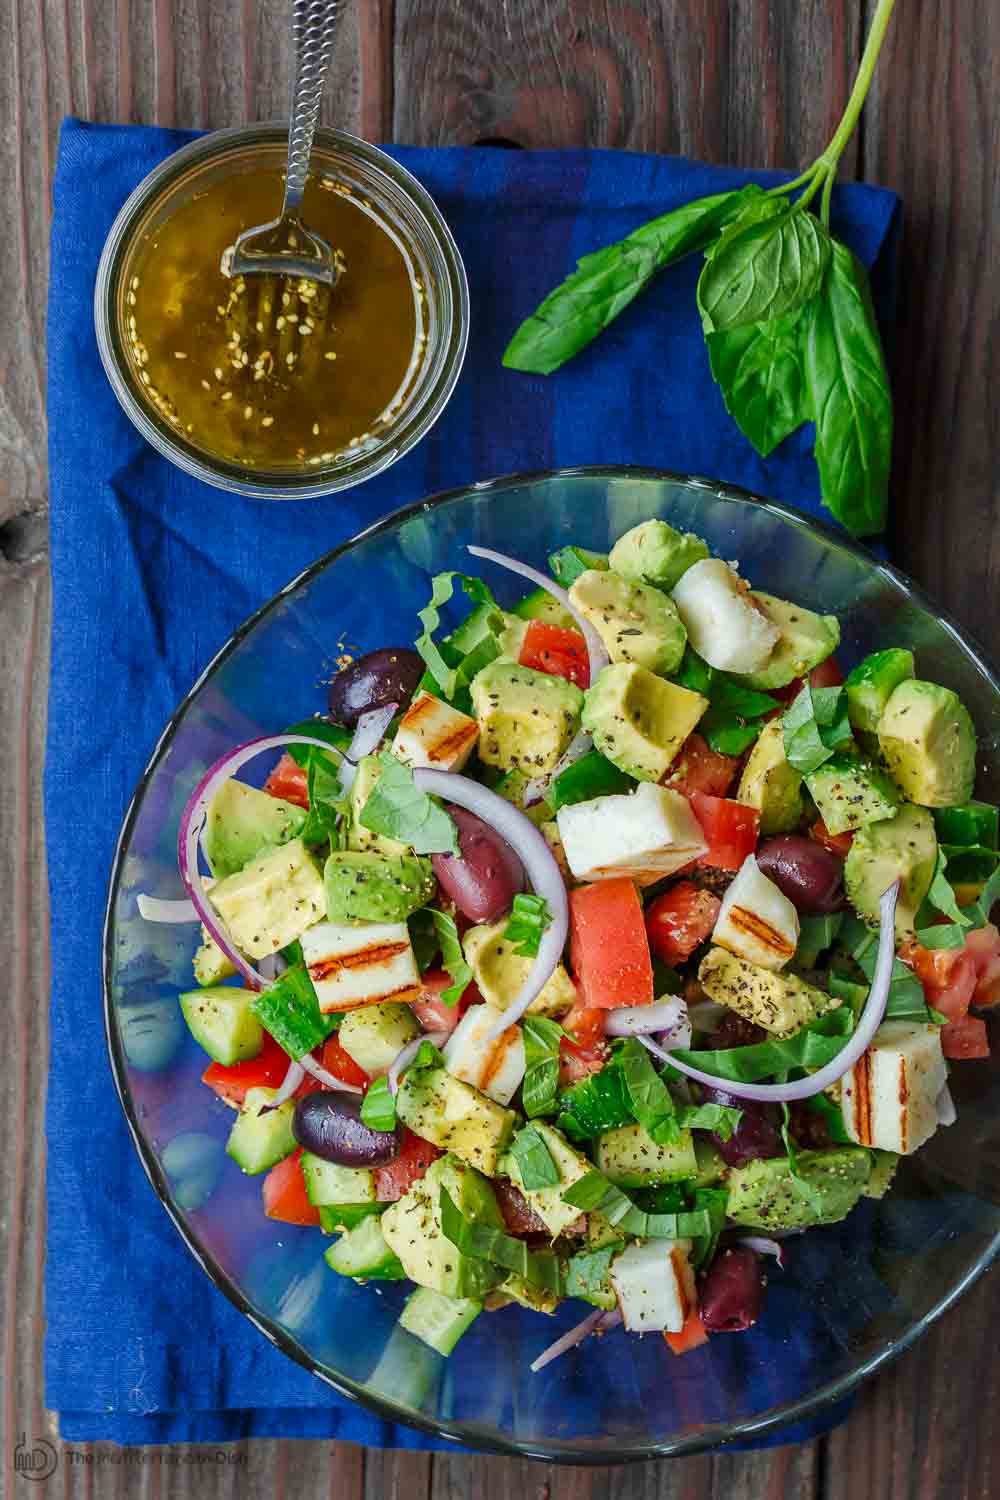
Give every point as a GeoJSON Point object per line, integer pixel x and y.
{"type": "Point", "coordinates": [373, 1035]}
{"type": "Point", "coordinates": [972, 823]}
{"type": "Point", "coordinates": [591, 776]}
{"type": "Point", "coordinates": [540, 605]}
{"type": "Point", "coordinates": [629, 1157]}
{"type": "Point", "coordinates": [363, 1253]}
{"type": "Point", "coordinates": [221, 1020]}
{"type": "Point", "coordinates": [290, 1011]}
{"type": "Point", "coordinates": [335, 1217]}
{"type": "Point", "coordinates": [568, 563]}
{"type": "Point", "coordinates": [327, 1183]}
{"type": "Point", "coordinates": [258, 1141]}
{"type": "Point", "coordinates": [438, 1320]}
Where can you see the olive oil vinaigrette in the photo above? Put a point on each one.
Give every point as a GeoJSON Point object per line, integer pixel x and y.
{"type": "Point", "coordinates": [274, 372]}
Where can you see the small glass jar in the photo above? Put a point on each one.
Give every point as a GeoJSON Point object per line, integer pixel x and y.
{"type": "Point", "coordinates": [403, 208]}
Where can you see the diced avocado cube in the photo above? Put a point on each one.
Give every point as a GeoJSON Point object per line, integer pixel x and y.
{"type": "Point", "coordinates": [211, 966]}
{"type": "Point", "coordinates": [363, 1252]}
{"type": "Point", "coordinates": [272, 901]}
{"type": "Point", "coordinates": [601, 1233]}
{"type": "Point", "coordinates": [548, 1202]}
{"type": "Point", "coordinates": [412, 1229]}
{"type": "Point", "coordinates": [929, 744]}
{"type": "Point", "coordinates": [630, 1157]}
{"type": "Point", "coordinates": [220, 1020]}
{"type": "Point", "coordinates": [764, 1194]}
{"type": "Point", "coordinates": [437, 1320]}
{"type": "Point", "coordinates": [638, 721]}
{"type": "Point", "coordinates": [770, 784]}
{"type": "Point", "coordinates": [370, 887]}
{"type": "Point", "coordinates": [327, 1183]}
{"type": "Point", "coordinates": [871, 684]}
{"type": "Point", "coordinates": [568, 563]}
{"type": "Point", "coordinates": [455, 1116]}
{"type": "Point", "coordinates": [540, 605]}
{"type": "Point", "coordinates": [258, 1141]}
{"type": "Point", "coordinates": [806, 640]}
{"type": "Point", "coordinates": [969, 824]}
{"type": "Point", "coordinates": [884, 1165]}
{"type": "Point", "coordinates": [242, 822]}
{"type": "Point", "coordinates": [849, 792]}
{"type": "Point", "coordinates": [656, 553]}
{"type": "Point", "coordinates": [535, 1298]}
{"type": "Point", "coordinates": [711, 1166]}
{"type": "Point", "coordinates": [781, 1003]}
{"type": "Point", "coordinates": [500, 971]}
{"type": "Point", "coordinates": [373, 1035]}
{"type": "Point", "coordinates": [513, 787]}
{"type": "Point", "coordinates": [359, 837]}
{"type": "Point", "coordinates": [526, 718]}
{"type": "Point", "coordinates": [636, 622]}
{"type": "Point", "coordinates": [905, 847]}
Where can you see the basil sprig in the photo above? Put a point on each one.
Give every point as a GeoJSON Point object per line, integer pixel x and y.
{"type": "Point", "coordinates": [452, 956]}
{"type": "Point", "coordinates": [736, 713]}
{"type": "Point", "coordinates": [812, 1047]}
{"type": "Point", "coordinates": [528, 919]}
{"type": "Point", "coordinates": [534, 1160]}
{"type": "Point", "coordinates": [542, 1038]}
{"type": "Point", "coordinates": [398, 809]}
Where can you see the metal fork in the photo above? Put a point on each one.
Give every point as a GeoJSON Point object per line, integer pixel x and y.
{"type": "Point", "coordinates": [286, 246]}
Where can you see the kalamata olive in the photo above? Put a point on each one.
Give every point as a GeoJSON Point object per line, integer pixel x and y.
{"type": "Point", "coordinates": [756, 1136]}
{"type": "Point", "coordinates": [330, 1125]}
{"type": "Point", "coordinates": [389, 675]}
{"type": "Point", "coordinates": [811, 877]}
{"type": "Point", "coordinates": [732, 1293]}
{"type": "Point", "coordinates": [486, 876]}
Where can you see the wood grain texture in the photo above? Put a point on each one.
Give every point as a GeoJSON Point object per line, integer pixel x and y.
{"type": "Point", "coordinates": [744, 81]}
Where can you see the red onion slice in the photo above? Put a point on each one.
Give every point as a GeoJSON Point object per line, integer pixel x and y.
{"type": "Point", "coordinates": [326, 1078]}
{"type": "Point", "coordinates": [290, 1082]}
{"type": "Point", "coordinates": [540, 867]}
{"type": "Point", "coordinates": [762, 1244]}
{"type": "Point", "coordinates": [638, 1020]}
{"type": "Point", "coordinates": [946, 1112]}
{"type": "Point", "coordinates": [368, 732]}
{"type": "Point", "coordinates": [192, 823]}
{"type": "Point", "coordinates": [155, 909]}
{"type": "Point", "coordinates": [596, 650]}
{"type": "Point", "coordinates": [567, 1341]}
{"type": "Point", "coordinates": [868, 1023]}
{"type": "Point", "coordinates": [535, 790]}
{"type": "Point", "coordinates": [403, 1058]}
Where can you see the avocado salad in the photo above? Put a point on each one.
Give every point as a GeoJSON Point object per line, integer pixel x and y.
{"type": "Point", "coordinates": [594, 947]}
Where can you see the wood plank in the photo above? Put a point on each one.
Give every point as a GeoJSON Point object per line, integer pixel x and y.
{"type": "Point", "coordinates": [397, 1475]}
{"type": "Point", "coordinates": [746, 82]}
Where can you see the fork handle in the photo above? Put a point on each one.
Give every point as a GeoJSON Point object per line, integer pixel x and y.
{"type": "Point", "coordinates": [314, 23]}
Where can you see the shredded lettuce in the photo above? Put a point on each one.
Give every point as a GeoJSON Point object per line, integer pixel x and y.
{"type": "Point", "coordinates": [483, 1242]}
{"type": "Point", "coordinates": [378, 1107]}
{"type": "Point", "coordinates": [593, 1193]}
{"type": "Point", "coordinates": [812, 1047]}
{"type": "Point", "coordinates": [736, 713]}
{"type": "Point", "coordinates": [450, 677]}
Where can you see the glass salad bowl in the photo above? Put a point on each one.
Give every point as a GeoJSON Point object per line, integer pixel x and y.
{"type": "Point", "coordinates": [853, 1295]}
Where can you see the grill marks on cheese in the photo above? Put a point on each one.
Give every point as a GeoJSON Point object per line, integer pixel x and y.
{"type": "Point", "coordinates": [360, 964]}
{"type": "Point", "coordinates": [762, 932]}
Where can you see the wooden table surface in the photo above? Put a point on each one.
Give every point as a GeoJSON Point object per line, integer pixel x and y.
{"type": "Point", "coordinates": [743, 81]}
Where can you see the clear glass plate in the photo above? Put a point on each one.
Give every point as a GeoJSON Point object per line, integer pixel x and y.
{"type": "Point", "coordinates": [853, 1296]}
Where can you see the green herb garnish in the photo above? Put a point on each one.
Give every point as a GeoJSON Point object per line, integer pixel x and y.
{"type": "Point", "coordinates": [534, 1160]}
{"type": "Point", "coordinates": [398, 809]}
{"type": "Point", "coordinates": [815, 727]}
{"type": "Point", "coordinates": [452, 956]}
{"type": "Point", "coordinates": [542, 1038]}
{"type": "Point", "coordinates": [483, 1242]}
{"type": "Point", "coordinates": [452, 676]}
{"type": "Point", "coordinates": [528, 919]}
{"type": "Point", "coordinates": [378, 1107]}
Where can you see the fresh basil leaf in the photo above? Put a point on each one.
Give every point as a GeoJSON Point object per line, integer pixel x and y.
{"type": "Point", "coordinates": [724, 735]}
{"type": "Point", "coordinates": [849, 397]}
{"type": "Point", "coordinates": [335, 736]}
{"type": "Point", "coordinates": [528, 919]}
{"type": "Point", "coordinates": [398, 809]}
{"type": "Point", "coordinates": [812, 1047]}
{"type": "Point", "coordinates": [941, 896]}
{"type": "Point", "coordinates": [542, 1038]}
{"type": "Point", "coordinates": [764, 270]}
{"type": "Point", "coordinates": [451, 676]}
{"type": "Point", "coordinates": [944, 935]}
{"type": "Point", "coordinates": [815, 727]}
{"type": "Point", "coordinates": [758, 369]}
{"type": "Point", "coordinates": [484, 1242]}
{"type": "Point", "coordinates": [721, 1119]}
{"type": "Point", "coordinates": [754, 211]}
{"type": "Point", "coordinates": [606, 282]}
{"type": "Point", "coordinates": [595, 1104]}
{"type": "Point", "coordinates": [423, 938]}
{"type": "Point", "coordinates": [593, 1193]}
{"type": "Point", "coordinates": [740, 700]}
{"type": "Point", "coordinates": [452, 956]}
{"type": "Point", "coordinates": [427, 1056]}
{"type": "Point", "coordinates": [328, 807]}
{"type": "Point", "coordinates": [736, 712]}
{"type": "Point", "coordinates": [534, 1160]}
{"type": "Point", "coordinates": [587, 1273]}
{"type": "Point", "coordinates": [712, 1202]}
{"type": "Point", "coordinates": [906, 994]}
{"type": "Point", "coordinates": [979, 912]}
{"type": "Point", "coordinates": [378, 1107]}
{"type": "Point", "coordinates": [694, 673]}
{"type": "Point", "coordinates": [648, 1096]}
{"type": "Point", "coordinates": [832, 1115]}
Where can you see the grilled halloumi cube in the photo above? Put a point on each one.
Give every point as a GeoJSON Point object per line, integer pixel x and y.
{"type": "Point", "coordinates": [495, 1068]}
{"type": "Point", "coordinates": [654, 1284]}
{"type": "Point", "coordinates": [781, 1003]}
{"type": "Point", "coordinates": [645, 834]}
{"type": "Point", "coordinates": [435, 735]}
{"type": "Point", "coordinates": [889, 1098]}
{"type": "Point", "coordinates": [360, 964]}
{"type": "Point", "coordinates": [756, 920]}
{"type": "Point", "coordinates": [723, 623]}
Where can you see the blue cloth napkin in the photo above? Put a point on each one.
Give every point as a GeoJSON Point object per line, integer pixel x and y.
{"type": "Point", "coordinates": [151, 573]}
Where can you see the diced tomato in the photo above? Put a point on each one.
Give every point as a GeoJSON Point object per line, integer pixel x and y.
{"type": "Point", "coordinates": [837, 843]}
{"type": "Point", "coordinates": [577, 1063]}
{"type": "Point", "coordinates": [518, 1214]}
{"type": "Point", "coordinates": [965, 1038]}
{"type": "Point", "coordinates": [730, 829]}
{"type": "Point", "coordinates": [341, 1064]}
{"type": "Point", "coordinates": [586, 1024]}
{"type": "Point", "coordinates": [288, 780]}
{"type": "Point", "coordinates": [692, 1335]}
{"type": "Point", "coordinates": [983, 946]}
{"type": "Point", "coordinates": [415, 1156]}
{"type": "Point", "coordinates": [948, 976]}
{"type": "Point", "coordinates": [698, 768]}
{"type": "Point", "coordinates": [827, 674]}
{"type": "Point", "coordinates": [609, 951]}
{"type": "Point", "coordinates": [560, 653]}
{"type": "Point", "coordinates": [266, 1070]}
{"type": "Point", "coordinates": [431, 1011]}
{"type": "Point", "coordinates": [679, 920]}
{"type": "Point", "coordinates": [285, 1195]}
